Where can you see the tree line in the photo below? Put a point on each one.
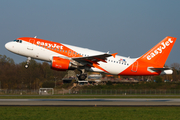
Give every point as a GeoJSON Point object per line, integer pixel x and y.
{"type": "Point", "coordinates": [16, 76]}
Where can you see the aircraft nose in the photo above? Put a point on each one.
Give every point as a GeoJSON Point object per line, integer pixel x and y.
{"type": "Point", "coordinates": [8, 46]}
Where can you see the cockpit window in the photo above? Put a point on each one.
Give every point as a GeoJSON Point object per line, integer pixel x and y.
{"type": "Point", "coordinates": [19, 41]}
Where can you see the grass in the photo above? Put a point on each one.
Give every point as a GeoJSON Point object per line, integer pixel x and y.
{"type": "Point", "coordinates": [89, 113]}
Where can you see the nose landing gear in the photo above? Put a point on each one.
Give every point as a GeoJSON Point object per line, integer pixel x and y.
{"type": "Point", "coordinates": [27, 62]}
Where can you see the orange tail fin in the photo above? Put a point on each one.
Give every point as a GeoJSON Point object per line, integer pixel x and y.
{"type": "Point", "coordinates": [158, 54]}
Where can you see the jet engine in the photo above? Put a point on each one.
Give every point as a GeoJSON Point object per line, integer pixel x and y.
{"type": "Point", "coordinates": [61, 64]}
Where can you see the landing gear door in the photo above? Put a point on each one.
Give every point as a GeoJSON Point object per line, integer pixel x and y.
{"type": "Point", "coordinates": [135, 67]}
{"type": "Point", "coordinates": [30, 45]}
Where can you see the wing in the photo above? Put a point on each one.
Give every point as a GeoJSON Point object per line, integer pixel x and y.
{"type": "Point", "coordinates": [93, 59]}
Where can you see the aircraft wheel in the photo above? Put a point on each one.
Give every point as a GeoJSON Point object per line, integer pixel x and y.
{"type": "Point", "coordinates": [26, 66]}
{"type": "Point", "coordinates": [82, 76]}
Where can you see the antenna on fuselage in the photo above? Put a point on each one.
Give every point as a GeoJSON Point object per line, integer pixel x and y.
{"type": "Point", "coordinates": [35, 36]}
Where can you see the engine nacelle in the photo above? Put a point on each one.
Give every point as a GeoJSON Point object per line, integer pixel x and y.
{"type": "Point", "coordinates": [61, 64]}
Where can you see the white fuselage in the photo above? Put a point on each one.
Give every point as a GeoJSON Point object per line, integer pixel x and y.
{"type": "Point", "coordinates": [113, 66]}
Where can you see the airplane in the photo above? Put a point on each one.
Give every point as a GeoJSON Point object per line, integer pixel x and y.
{"type": "Point", "coordinates": [67, 57]}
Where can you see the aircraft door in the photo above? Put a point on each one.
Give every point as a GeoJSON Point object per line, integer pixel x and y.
{"type": "Point", "coordinates": [135, 67]}
{"type": "Point", "coordinates": [30, 45]}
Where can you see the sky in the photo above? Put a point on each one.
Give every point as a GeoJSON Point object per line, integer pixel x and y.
{"type": "Point", "coordinates": [127, 27]}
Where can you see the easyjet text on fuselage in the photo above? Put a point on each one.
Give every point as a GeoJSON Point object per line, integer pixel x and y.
{"type": "Point", "coordinates": [49, 45]}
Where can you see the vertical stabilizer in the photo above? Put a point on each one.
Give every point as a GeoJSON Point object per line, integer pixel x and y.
{"type": "Point", "coordinates": [158, 55]}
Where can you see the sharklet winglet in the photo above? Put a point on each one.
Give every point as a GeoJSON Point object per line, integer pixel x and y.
{"type": "Point", "coordinates": [114, 54]}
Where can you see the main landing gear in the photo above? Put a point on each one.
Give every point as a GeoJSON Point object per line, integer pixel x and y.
{"type": "Point", "coordinates": [83, 75]}
{"type": "Point", "coordinates": [27, 62]}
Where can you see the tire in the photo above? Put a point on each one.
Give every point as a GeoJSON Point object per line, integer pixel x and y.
{"type": "Point", "coordinates": [82, 76]}
{"type": "Point", "coordinates": [26, 66]}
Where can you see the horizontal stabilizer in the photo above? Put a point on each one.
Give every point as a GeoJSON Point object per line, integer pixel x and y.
{"type": "Point", "coordinates": [164, 71]}
{"type": "Point", "coordinates": [160, 69]}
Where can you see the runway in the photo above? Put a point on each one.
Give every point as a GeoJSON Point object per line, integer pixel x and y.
{"type": "Point", "coordinates": [90, 102]}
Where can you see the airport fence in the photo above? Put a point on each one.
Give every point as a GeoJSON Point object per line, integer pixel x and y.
{"type": "Point", "coordinates": [126, 92]}
{"type": "Point", "coordinates": [19, 92]}
{"type": "Point", "coordinates": [90, 92]}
